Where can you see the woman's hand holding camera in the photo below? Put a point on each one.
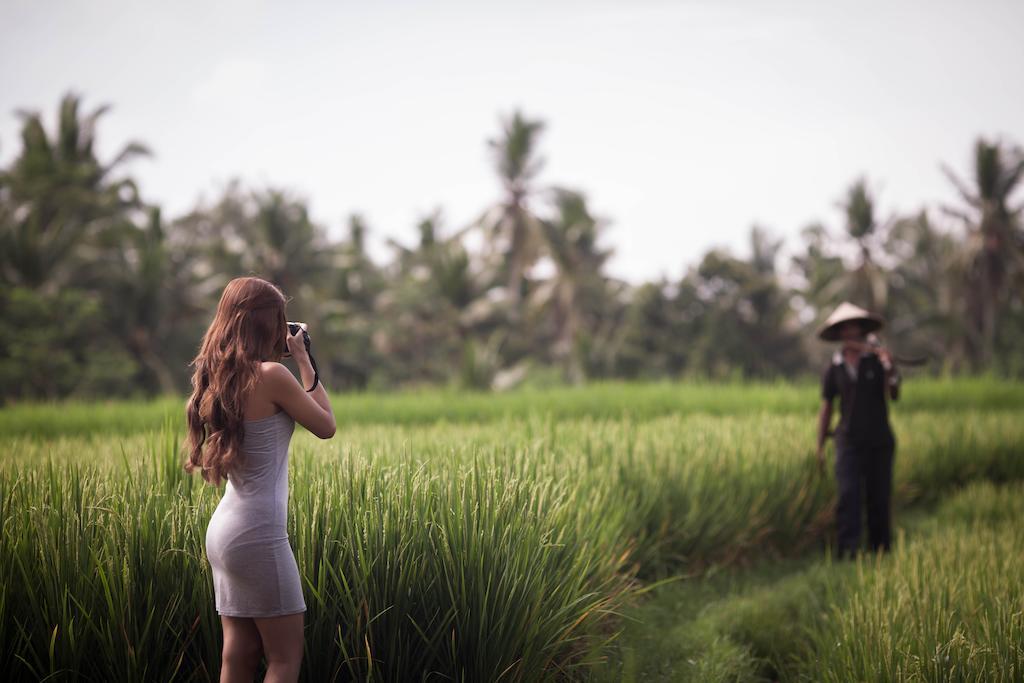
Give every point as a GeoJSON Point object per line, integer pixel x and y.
{"type": "Point", "coordinates": [297, 343]}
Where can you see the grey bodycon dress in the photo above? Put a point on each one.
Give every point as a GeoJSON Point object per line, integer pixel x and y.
{"type": "Point", "coordinates": [254, 570]}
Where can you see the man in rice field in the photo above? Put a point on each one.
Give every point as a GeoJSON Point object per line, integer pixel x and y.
{"type": "Point", "coordinates": [862, 374]}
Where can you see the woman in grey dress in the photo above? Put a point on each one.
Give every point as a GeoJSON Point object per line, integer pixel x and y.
{"type": "Point", "coordinates": [241, 415]}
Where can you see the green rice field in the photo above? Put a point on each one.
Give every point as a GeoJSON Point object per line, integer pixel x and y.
{"type": "Point", "coordinates": [611, 532]}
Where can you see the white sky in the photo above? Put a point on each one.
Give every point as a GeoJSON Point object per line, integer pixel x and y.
{"type": "Point", "coordinates": [684, 122]}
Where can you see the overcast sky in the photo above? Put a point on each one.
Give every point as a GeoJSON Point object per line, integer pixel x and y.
{"type": "Point", "coordinates": [683, 122]}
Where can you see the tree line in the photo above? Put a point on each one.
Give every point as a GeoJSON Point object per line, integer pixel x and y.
{"type": "Point", "coordinates": [101, 294]}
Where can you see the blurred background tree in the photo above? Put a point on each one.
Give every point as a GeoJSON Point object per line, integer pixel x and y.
{"type": "Point", "coordinates": [102, 295]}
{"type": "Point", "coordinates": [994, 245]}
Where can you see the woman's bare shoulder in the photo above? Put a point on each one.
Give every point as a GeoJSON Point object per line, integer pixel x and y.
{"type": "Point", "coordinates": [272, 372]}
{"type": "Point", "coordinates": [262, 402]}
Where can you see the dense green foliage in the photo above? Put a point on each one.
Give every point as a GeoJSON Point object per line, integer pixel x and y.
{"type": "Point", "coordinates": [505, 535]}
{"type": "Point", "coordinates": [101, 295]}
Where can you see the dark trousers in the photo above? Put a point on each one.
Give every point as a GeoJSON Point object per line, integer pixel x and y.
{"type": "Point", "coordinates": [864, 473]}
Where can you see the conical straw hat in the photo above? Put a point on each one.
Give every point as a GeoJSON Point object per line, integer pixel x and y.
{"type": "Point", "coordinates": [846, 312]}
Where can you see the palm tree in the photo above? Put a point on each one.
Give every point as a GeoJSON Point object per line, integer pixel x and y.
{"type": "Point", "coordinates": [284, 243]}
{"type": "Point", "coordinates": [59, 196]}
{"type": "Point", "coordinates": [647, 341]}
{"type": "Point", "coordinates": [867, 283]}
{"type": "Point", "coordinates": [570, 238]}
{"type": "Point", "coordinates": [357, 275]}
{"type": "Point", "coordinates": [744, 316]}
{"type": "Point", "coordinates": [927, 290]}
{"type": "Point", "coordinates": [267, 233]}
{"type": "Point", "coordinates": [438, 263]}
{"type": "Point", "coordinates": [823, 273]}
{"type": "Point", "coordinates": [510, 226]}
{"type": "Point", "coordinates": [353, 286]}
{"type": "Point", "coordinates": [827, 280]}
{"type": "Point", "coordinates": [437, 296]}
{"type": "Point", "coordinates": [996, 243]}
{"type": "Point", "coordinates": [151, 288]}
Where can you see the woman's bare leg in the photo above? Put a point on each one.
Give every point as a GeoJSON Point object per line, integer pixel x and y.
{"type": "Point", "coordinates": [282, 646]}
{"type": "Point", "coordinates": [242, 650]}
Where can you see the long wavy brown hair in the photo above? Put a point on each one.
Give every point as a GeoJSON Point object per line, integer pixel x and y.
{"type": "Point", "coordinates": [249, 327]}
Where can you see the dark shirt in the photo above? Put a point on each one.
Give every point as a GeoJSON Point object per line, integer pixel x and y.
{"type": "Point", "coordinates": [863, 409]}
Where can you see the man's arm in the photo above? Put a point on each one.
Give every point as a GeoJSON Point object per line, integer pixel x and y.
{"type": "Point", "coordinates": [892, 374]}
{"type": "Point", "coordinates": [824, 421]}
{"type": "Point", "coordinates": [829, 391]}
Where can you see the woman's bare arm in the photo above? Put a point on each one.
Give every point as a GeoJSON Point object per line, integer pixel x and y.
{"type": "Point", "coordinates": [319, 394]}
{"type": "Point", "coordinates": [310, 409]}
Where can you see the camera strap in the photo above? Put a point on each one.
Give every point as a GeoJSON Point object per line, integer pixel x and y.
{"type": "Point", "coordinates": [316, 371]}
